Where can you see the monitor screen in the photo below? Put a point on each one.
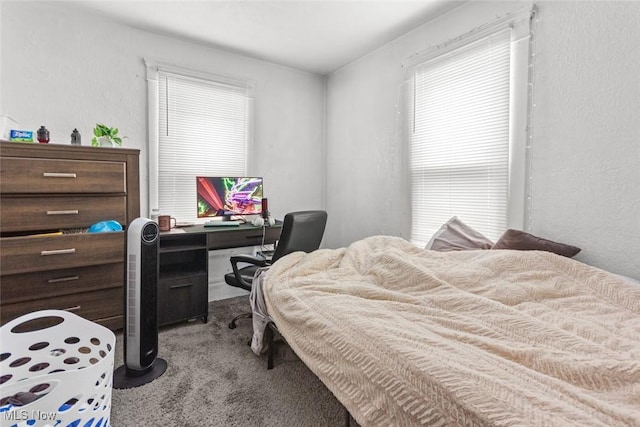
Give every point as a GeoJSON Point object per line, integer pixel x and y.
{"type": "Point", "coordinates": [226, 196]}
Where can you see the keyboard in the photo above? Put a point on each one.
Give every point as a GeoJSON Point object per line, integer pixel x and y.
{"type": "Point", "coordinates": [218, 223]}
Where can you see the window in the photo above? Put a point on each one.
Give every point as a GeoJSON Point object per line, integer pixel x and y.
{"type": "Point", "coordinates": [202, 128]}
{"type": "Point", "coordinates": [467, 103]}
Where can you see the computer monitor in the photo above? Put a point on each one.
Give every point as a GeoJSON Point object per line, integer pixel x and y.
{"type": "Point", "coordinates": [219, 196]}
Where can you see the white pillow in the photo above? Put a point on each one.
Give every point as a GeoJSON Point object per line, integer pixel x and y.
{"type": "Point", "coordinates": [455, 235]}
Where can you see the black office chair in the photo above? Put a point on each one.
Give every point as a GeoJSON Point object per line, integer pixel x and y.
{"type": "Point", "coordinates": [301, 231]}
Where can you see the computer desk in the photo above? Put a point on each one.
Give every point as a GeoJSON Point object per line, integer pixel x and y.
{"type": "Point", "coordinates": [183, 280]}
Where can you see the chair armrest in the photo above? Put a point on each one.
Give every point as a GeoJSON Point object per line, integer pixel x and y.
{"type": "Point", "coordinates": [247, 259]}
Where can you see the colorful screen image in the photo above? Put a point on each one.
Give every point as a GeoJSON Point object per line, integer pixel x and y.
{"type": "Point", "coordinates": [226, 196]}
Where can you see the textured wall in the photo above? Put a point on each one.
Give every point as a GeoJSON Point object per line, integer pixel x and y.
{"type": "Point", "coordinates": [71, 70]}
{"type": "Point", "coordinates": [67, 69]}
{"type": "Point", "coordinates": [367, 184]}
{"type": "Point", "coordinates": [586, 149]}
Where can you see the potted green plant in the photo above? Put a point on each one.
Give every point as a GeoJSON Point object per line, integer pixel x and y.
{"type": "Point", "coordinates": [104, 136]}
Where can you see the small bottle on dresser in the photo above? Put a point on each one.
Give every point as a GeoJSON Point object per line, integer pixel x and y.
{"type": "Point", "coordinates": [43, 135]}
{"type": "Point", "coordinates": [75, 137]}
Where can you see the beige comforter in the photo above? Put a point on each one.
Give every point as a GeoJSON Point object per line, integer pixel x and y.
{"type": "Point", "coordinates": [404, 336]}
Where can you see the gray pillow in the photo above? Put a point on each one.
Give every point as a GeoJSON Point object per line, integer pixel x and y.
{"type": "Point", "coordinates": [455, 235]}
{"type": "Point", "coordinates": [519, 240]}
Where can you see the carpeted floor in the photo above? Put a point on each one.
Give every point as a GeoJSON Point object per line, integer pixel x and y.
{"type": "Point", "coordinates": [213, 379]}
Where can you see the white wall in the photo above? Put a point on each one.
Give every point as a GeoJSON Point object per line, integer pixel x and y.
{"type": "Point", "coordinates": [65, 69]}
{"type": "Point", "coordinates": [368, 190]}
{"type": "Point", "coordinates": [586, 147]}
{"type": "Point", "coordinates": [586, 150]}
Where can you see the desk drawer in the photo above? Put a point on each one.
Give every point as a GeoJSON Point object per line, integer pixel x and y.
{"type": "Point", "coordinates": [49, 213]}
{"type": "Point", "coordinates": [242, 237]}
{"type": "Point", "coordinates": [182, 299]}
{"type": "Point", "coordinates": [90, 305]}
{"type": "Point", "coordinates": [31, 253]}
{"type": "Point", "coordinates": [37, 176]}
{"type": "Point", "coordinates": [29, 286]}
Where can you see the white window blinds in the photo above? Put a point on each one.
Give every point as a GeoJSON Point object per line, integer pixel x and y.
{"type": "Point", "coordinates": [459, 138]}
{"type": "Point", "coordinates": [203, 130]}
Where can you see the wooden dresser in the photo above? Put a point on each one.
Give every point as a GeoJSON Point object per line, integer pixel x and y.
{"type": "Point", "coordinates": [48, 188]}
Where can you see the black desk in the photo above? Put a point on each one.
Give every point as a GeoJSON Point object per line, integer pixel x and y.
{"type": "Point", "coordinates": [184, 265]}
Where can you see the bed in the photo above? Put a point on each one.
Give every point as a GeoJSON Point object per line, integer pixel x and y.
{"type": "Point", "coordinates": [404, 336]}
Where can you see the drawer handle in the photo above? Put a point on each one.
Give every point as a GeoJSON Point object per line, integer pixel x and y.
{"type": "Point", "coordinates": [58, 175]}
{"type": "Point", "coordinates": [75, 308]}
{"type": "Point", "coordinates": [254, 237]}
{"type": "Point", "coordinates": [68, 212]}
{"type": "Point", "coordinates": [58, 252]}
{"type": "Point", "coordinates": [63, 279]}
{"type": "Point", "coordinates": [184, 285]}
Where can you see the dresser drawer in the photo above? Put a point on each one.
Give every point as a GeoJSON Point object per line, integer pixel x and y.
{"type": "Point", "coordinates": [29, 286]}
{"type": "Point", "coordinates": [100, 304]}
{"type": "Point", "coordinates": [48, 213]}
{"type": "Point", "coordinates": [37, 176]}
{"type": "Point", "coordinates": [31, 253]}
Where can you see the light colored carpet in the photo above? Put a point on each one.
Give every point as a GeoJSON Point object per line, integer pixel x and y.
{"type": "Point", "coordinates": [213, 379]}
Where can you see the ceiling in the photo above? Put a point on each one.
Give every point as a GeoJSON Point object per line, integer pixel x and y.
{"type": "Point", "coordinates": [319, 36]}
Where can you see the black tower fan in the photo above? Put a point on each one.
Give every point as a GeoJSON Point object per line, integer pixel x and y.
{"type": "Point", "coordinates": [141, 364]}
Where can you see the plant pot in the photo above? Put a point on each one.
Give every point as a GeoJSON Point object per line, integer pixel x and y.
{"type": "Point", "coordinates": [105, 141]}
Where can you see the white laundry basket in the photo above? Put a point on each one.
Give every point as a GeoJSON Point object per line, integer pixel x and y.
{"type": "Point", "coordinates": [68, 368]}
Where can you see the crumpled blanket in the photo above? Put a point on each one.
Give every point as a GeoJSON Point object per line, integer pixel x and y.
{"type": "Point", "coordinates": [403, 336]}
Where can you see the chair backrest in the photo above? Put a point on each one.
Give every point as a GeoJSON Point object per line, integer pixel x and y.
{"type": "Point", "coordinates": [301, 231]}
